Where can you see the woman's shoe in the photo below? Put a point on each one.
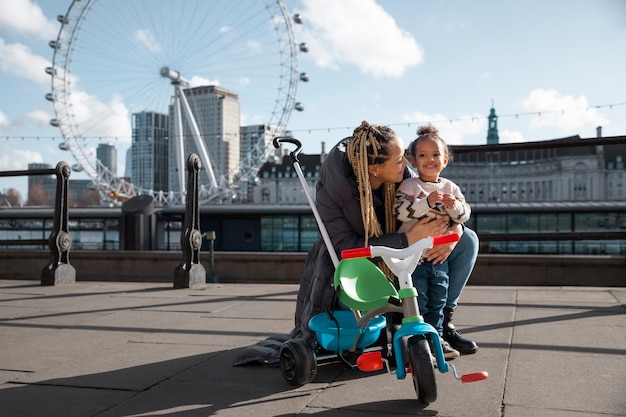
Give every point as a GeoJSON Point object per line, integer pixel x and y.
{"type": "Point", "coordinates": [456, 340]}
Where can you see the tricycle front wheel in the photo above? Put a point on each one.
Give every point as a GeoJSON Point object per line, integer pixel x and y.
{"type": "Point", "coordinates": [422, 369]}
{"type": "Point", "coordinates": [297, 362]}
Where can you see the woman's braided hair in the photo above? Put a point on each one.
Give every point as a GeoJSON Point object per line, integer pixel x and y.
{"type": "Point", "coordinates": [370, 145]}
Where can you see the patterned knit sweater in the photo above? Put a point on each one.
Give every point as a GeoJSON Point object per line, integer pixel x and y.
{"type": "Point", "coordinates": [411, 203]}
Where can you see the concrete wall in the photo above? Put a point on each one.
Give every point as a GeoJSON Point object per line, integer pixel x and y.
{"type": "Point", "coordinates": [517, 270]}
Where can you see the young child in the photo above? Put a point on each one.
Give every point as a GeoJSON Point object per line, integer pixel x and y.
{"type": "Point", "coordinates": [433, 196]}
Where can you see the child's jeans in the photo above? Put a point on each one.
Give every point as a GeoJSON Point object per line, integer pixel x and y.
{"type": "Point", "coordinates": [431, 282]}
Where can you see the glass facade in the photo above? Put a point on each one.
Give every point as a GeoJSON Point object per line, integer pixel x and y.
{"type": "Point", "coordinates": [515, 225]}
{"type": "Point", "coordinates": [564, 230]}
{"type": "Point", "coordinates": [288, 233]}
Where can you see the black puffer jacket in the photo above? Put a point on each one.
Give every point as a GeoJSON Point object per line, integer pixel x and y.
{"type": "Point", "coordinates": [337, 200]}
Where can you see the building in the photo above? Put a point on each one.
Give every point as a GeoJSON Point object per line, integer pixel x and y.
{"type": "Point", "coordinates": [559, 170]}
{"type": "Point", "coordinates": [218, 116]}
{"type": "Point", "coordinates": [42, 189]}
{"type": "Point", "coordinates": [278, 182]}
{"type": "Point", "coordinates": [492, 132]}
{"type": "Point", "coordinates": [107, 155]}
{"type": "Point", "coordinates": [149, 151]}
{"type": "Point", "coordinates": [256, 148]}
{"type": "Point", "coordinates": [569, 169]}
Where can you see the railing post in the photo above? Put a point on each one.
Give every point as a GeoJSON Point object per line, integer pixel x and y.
{"type": "Point", "coordinates": [190, 273]}
{"type": "Point", "coordinates": [59, 270]}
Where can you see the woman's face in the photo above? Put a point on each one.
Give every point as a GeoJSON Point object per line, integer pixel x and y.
{"type": "Point", "coordinates": [392, 170]}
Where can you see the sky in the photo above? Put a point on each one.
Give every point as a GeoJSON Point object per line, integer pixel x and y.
{"type": "Point", "coordinates": [551, 69]}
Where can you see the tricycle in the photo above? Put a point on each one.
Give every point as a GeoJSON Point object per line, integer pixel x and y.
{"type": "Point", "coordinates": [368, 295]}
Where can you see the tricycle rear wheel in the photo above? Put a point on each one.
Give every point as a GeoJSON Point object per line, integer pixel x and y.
{"type": "Point", "coordinates": [297, 362]}
{"type": "Point", "coordinates": [422, 368]}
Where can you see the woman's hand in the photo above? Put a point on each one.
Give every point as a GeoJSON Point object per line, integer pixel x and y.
{"type": "Point", "coordinates": [440, 253]}
{"type": "Point", "coordinates": [427, 227]}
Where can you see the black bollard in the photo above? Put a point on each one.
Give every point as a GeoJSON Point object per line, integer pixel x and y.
{"type": "Point", "coordinates": [190, 273]}
{"type": "Point", "coordinates": [59, 270]}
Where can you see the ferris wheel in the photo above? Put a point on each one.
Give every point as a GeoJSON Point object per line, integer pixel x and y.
{"type": "Point", "coordinates": [117, 58]}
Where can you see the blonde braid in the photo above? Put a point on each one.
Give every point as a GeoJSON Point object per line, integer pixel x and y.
{"type": "Point", "coordinates": [358, 158]}
{"type": "Point", "coordinates": [367, 137]}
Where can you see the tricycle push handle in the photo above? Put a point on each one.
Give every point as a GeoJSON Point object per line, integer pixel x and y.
{"type": "Point", "coordinates": [443, 239]}
{"type": "Point", "coordinates": [357, 253]}
{"type": "Point", "coordinates": [288, 139]}
{"type": "Point", "coordinates": [419, 246]}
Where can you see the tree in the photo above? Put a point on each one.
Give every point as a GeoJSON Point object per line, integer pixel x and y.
{"type": "Point", "coordinates": [13, 197]}
{"type": "Point", "coordinates": [37, 196]}
{"type": "Point", "coordinates": [87, 198]}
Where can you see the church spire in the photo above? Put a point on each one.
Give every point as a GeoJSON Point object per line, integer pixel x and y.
{"type": "Point", "coordinates": [492, 133]}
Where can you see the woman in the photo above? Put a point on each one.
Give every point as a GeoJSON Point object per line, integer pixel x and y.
{"type": "Point", "coordinates": [354, 197]}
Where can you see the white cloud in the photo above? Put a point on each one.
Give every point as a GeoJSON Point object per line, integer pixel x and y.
{"type": "Point", "coordinates": [452, 130]}
{"type": "Point", "coordinates": [255, 46]}
{"type": "Point", "coordinates": [510, 136]}
{"type": "Point", "coordinates": [145, 38]}
{"type": "Point", "coordinates": [197, 81]}
{"type": "Point", "coordinates": [566, 113]}
{"type": "Point", "coordinates": [26, 18]}
{"type": "Point", "coordinates": [97, 119]}
{"type": "Point", "coordinates": [18, 60]}
{"type": "Point", "coordinates": [40, 118]}
{"type": "Point", "coordinates": [361, 33]}
{"type": "Point", "coordinates": [4, 120]}
{"type": "Point", "coordinates": [13, 158]}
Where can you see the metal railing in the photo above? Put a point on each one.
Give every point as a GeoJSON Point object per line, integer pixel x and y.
{"type": "Point", "coordinates": [58, 270]}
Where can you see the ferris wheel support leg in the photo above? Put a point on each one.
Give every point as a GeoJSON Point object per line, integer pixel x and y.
{"type": "Point", "coordinates": [190, 273]}
{"type": "Point", "coordinates": [204, 155]}
{"type": "Point", "coordinates": [179, 143]}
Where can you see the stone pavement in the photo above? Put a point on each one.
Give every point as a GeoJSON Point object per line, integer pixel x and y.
{"type": "Point", "coordinates": [142, 349]}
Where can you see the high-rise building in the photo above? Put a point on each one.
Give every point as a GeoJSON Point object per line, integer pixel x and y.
{"type": "Point", "coordinates": [107, 155]}
{"type": "Point", "coordinates": [255, 139]}
{"type": "Point", "coordinates": [149, 151]}
{"type": "Point", "coordinates": [217, 113]}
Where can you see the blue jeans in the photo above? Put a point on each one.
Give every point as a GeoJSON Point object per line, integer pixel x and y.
{"type": "Point", "coordinates": [433, 293]}
{"type": "Point", "coordinates": [431, 282]}
{"type": "Point", "coordinates": [460, 265]}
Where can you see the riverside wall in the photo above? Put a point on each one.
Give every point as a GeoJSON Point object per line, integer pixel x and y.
{"type": "Point", "coordinates": [264, 267]}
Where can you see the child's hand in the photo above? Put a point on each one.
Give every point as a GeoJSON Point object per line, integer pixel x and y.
{"type": "Point", "coordinates": [434, 198]}
{"type": "Point", "coordinates": [448, 200]}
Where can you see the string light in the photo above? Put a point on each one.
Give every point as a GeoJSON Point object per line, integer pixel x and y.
{"type": "Point", "coordinates": [330, 129]}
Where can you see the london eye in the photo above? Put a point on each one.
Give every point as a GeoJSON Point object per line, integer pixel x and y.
{"type": "Point", "coordinates": [116, 58]}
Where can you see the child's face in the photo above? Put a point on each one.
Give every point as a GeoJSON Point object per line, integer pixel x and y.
{"type": "Point", "coordinates": [429, 159]}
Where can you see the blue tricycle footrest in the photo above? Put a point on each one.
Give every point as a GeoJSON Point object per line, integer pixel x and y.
{"type": "Point", "coordinates": [333, 339]}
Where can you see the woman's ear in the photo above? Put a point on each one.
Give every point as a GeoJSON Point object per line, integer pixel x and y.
{"type": "Point", "coordinates": [372, 170]}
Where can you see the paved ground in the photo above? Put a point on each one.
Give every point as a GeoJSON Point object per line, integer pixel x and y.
{"type": "Point", "coordinates": [124, 349]}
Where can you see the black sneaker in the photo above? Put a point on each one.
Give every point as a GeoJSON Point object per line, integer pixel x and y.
{"type": "Point", "coordinates": [448, 351]}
